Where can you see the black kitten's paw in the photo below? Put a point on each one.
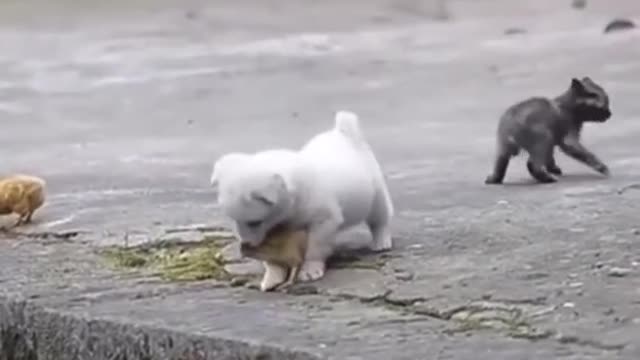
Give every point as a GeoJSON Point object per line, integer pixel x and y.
{"type": "Point", "coordinates": [540, 175]}
{"type": "Point", "coordinates": [547, 179]}
{"type": "Point", "coordinates": [603, 169]}
{"type": "Point", "coordinates": [492, 180]}
{"type": "Point", "coordinates": [555, 170]}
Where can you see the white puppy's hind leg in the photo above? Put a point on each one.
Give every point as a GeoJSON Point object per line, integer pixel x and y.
{"type": "Point", "coordinates": [380, 218]}
{"type": "Point", "coordinates": [321, 245]}
{"type": "Point", "coordinates": [274, 275]}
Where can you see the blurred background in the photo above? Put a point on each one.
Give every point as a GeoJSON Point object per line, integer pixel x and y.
{"type": "Point", "coordinates": [123, 104]}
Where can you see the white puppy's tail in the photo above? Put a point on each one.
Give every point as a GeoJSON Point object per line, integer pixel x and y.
{"type": "Point", "coordinates": [347, 123]}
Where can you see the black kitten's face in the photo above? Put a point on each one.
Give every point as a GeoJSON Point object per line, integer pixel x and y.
{"type": "Point", "coordinates": [591, 101]}
{"type": "Point", "coordinates": [596, 114]}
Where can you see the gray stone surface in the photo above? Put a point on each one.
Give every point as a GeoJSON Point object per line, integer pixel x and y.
{"type": "Point", "coordinates": [123, 106]}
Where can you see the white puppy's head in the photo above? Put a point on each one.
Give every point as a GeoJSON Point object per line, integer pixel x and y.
{"type": "Point", "coordinates": [255, 198]}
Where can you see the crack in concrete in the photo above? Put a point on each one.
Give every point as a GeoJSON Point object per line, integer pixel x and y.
{"type": "Point", "coordinates": [216, 230]}
{"type": "Point", "coordinates": [481, 315]}
{"type": "Point", "coordinates": [575, 340]}
{"type": "Point", "coordinates": [57, 235]}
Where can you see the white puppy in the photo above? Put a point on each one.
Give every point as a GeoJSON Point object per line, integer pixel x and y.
{"type": "Point", "coordinates": [333, 182]}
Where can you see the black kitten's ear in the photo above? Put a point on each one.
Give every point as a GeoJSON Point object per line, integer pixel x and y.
{"type": "Point", "coordinates": [577, 85]}
{"type": "Point", "coordinates": [588, 83]}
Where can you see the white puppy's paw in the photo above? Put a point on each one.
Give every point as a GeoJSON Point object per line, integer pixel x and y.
{"type": "Point", "coordinates": [311, 271]}
{"type": "Point", "coordinates": [382, 239]}
{"type": "Point", "coordinates": [274, 275]}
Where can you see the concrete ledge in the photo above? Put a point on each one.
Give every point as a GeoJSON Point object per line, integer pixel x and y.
{"type": "Point", "coordinates": [31, 332]}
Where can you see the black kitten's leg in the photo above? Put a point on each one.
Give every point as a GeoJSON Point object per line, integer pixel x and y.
{"type": "Point", "coordinates": [572, 147]}
{"type": "Point", "coordinates": [500, 166]}
{"type": "Point", "coordinates": [538, 157]}
{"type": "Point", "coordinates": [552, 167]}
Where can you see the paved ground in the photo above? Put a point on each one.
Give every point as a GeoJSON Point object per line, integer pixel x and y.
{"type": "Point", "coordinates": [123, 108]}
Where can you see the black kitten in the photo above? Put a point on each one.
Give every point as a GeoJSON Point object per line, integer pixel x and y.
{"type": "Point", "coordinates": [538, 124]}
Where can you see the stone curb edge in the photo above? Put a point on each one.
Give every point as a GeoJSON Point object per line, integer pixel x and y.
{"type": "Point", "coordinates": [32, 332]}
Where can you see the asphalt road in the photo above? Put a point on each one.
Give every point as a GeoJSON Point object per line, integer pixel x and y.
{"type": "Point", "coordinates": [123, 108]}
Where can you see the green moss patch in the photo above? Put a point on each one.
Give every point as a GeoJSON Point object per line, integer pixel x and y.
{"type": "Point", "coordinates": [173, 260]}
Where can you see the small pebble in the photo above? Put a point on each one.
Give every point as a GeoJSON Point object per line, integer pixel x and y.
{"type": "Point", "coordinates": [535, 276]}
{"type": "Point", "coordinates": [404, 275]}
{"type": "Point", "coordinates": [252, 286]}
{"type": "Point", "coordinates": [238, 281]}
{"type": "Point", "coordinates": [575, 284]}
{"type": "Point", "coordinates": [566, 339]}
{"type": "Point", "coordinates": [302, 289]}
{"type": "Point", "coordinates": [569, 305]}
{"type": "Point", "coordinates": [619, 272]}
{"type": "Point", "coordinates": [609, 311]}
{"type": "Point", "coordinates": [514, 31]}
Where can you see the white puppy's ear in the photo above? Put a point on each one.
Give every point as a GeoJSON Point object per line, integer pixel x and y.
{"type": "Point", "coordinates": [215, 174]}
{"type": "Point", "coordinates": [272, 190]}
{"type": "Point", "coordinates": [224, 164]}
